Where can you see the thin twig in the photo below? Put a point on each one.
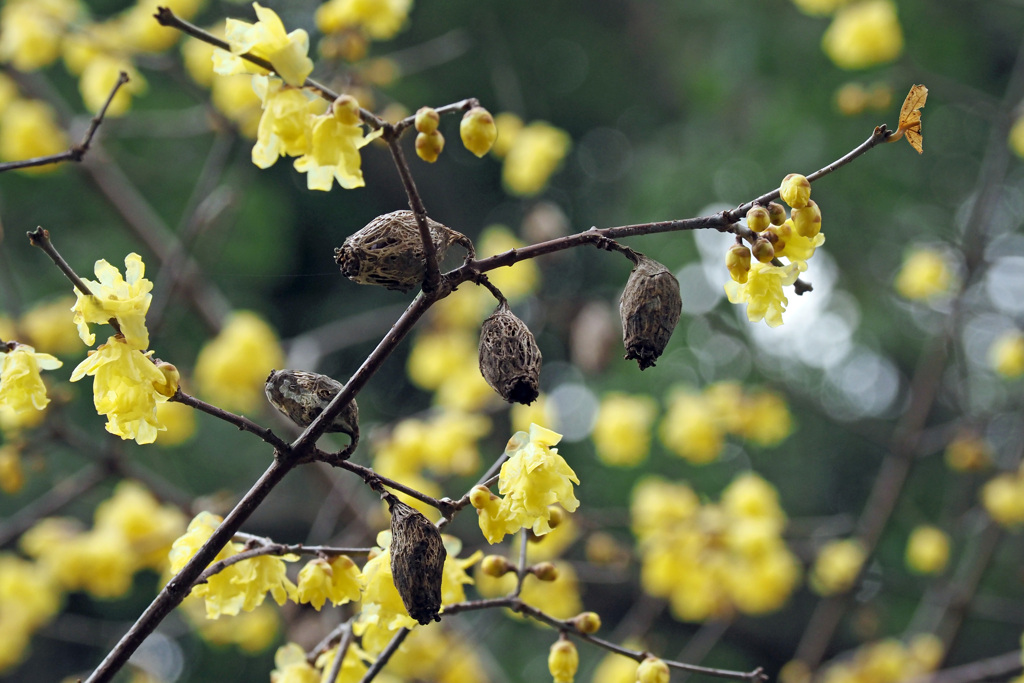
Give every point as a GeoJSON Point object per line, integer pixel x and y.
{"type": "Point", "coordinates": [385, 655]}
{"type": "Point", "coordinates": [278, 549]}
{"type": "Point", "coordinates": [75, 152]}
{"type": "Point", "coordinates": [243, 423]}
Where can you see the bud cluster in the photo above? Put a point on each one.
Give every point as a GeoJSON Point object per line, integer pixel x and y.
{"type": "Point", "coordinates": [477, 130]}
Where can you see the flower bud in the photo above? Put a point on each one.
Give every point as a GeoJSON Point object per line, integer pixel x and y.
{"type": "Point", "coordinates": [172, 377]}
{"type": "Point", "coordinates": [346, 110]}
{"type": "Point", "coordinates": [763, 250]}
{"type": "Point", "coordinates": [758, 218]}
{"type": "Point", "coordinates": [807, 220]}
{"type": "Point", "coordinates": [563, 661]}
{"type": "Point", "coordinates": [795, 190]}
{"type": "Point", "coordinates": [652, 670]}
{"type": "Point", "coordinates": [737, 260]}
{"type": "Point", "coordinates": [496, 566]}
{"type": "Point", "coordinates": [479, 496]}
{"type": "Point", "coordinates": [545, 571]}
{"type": "Point", "coordinates": [587, 622]}
{"type": "Point", "coordinates": [556, 515]}
{"type": "Point", "coordinates": [389, 251]}
{"type": "Point", "coordinates": [779, 236]}
{"type": "Point", "coordinates": [417, 560]}
{"type": "Point", "coordinates": [429, 146]}
{"type": "Point", "coordinates": [777, 213]}
{"type": "Point", "coordinates": [649, 307]}
{"type": "Point", "coordinates": [509, 357]}
{"type": "Point", "coordinates": [427, 120]}
{"type": "Point", "coordinates": [478, 131]}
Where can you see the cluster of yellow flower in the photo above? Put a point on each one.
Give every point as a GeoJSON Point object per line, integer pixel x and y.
{"type": "Point", "coordinates": [837, 566]}
{"type": "Point", "coordinates": [710, 560]}
{"type": "Point", "coordinates": [863, 33]}
{"type": "Point", "coordinates": [883, 661]}
{"type": "Point", "coordinates": [927, 274]}
{"type": "Point", "coordinates": [131, 531]}
{"type": "Point", "coordinates": [759, 283]}
{"type": "Point", "coordinates": [696, 423]}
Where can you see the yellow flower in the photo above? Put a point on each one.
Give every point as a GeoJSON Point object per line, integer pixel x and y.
{"type": "Point", "coordinates": [28, 129]}
{"type": "Point", "coordinates": [286, 124]}
{"type": "Point", "coordinates": [1006, 356]}
{"type": "Point", "coordinates": [517, 281]}
{"type": "Point", "coordinates": [795, 190]}
{"type": "Point", "coordinates": [98, 79]}
{"type": "Point", "coordinates": [563, 661]}
{"type": "Point", "coordinates": [352, 666]}
{"type": "Point", "coordinates": [864, 34]}
{"type": "Point", "coordinates": [534, 477]}
{"type": "Point", "coordinates": [32, 31]}
{"type": "Point", "coordinates": [179, 420]}
{"type": "Point", "coordinates": [837, 566]}
{"type": "Point", "coordinates": [232, 368]}
{"type": "Point", "coordinates": [928, 550]}
{"type": "Point", "coordinates": [149, 528]}
{"type": "Point", "coordinates": [478, 131]}
{"type": "Point", "coordinates": [234, 97]}
{"type": "Point", "coordinates": [127, 386]}
{"type": "Point", "coordinates": [691, 428]}
{"type": "Point", "coordinates": [338, 580]}
{"type": "Point", "coordinates": [287, 53]}
{"type": "Point", "coordinates": [794, 246]}
{"type": "Point", "coordinates": [125, 298]}
{"type": "Point", "coordinates": [380, 19]}
{"type": "Point", "coordinates": [765, 419]}
{"type": "Point", "coordinates": [926, 274]}
{"type": "Point", "coordinates": [290, 666]}
{"type": "Point", "coordinates": [437, 355]}
{"type": "Point", "coordinates": [334, 153]}
{"type": "Point", "coordinates": [21, 386]}
{"type": "Point", "coordinates": [28, 600]}
{"type": "Point", "coordinates": [763, 291]}
{"type": "Point", "coordinates": [382, 607]}
{"type": "Point", "coordinates": [622, 431]}
{"type": "Point", "coordinates": [253, 631]}
{"type": "Point", "coordinates": [48, 327]}
{"type": "Point", "coordinates": [1003, 498]}
{"type": "Point", "coordinates": [536, 153]}
{"type": "Point", "coordinates": [453, 574]}
{"type": "Point", "coordinates": [652, 670]}
{"type": "Point", "coordinates": [540, 411]}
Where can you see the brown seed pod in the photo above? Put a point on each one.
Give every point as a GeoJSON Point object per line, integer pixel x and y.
{"type": "Point", "coordinates": [509, 357]}
{"type": "Point", "coordinates": [649, 308]}
{"type": "Point", "coordinates": [389, 251]}
{"type": "Point", "coordinates": [417, 560]}
{"type": "Point", "coordinates": [302, 396]}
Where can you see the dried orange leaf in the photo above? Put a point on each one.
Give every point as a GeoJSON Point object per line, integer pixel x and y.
{"type": "Point", "coordinates": [910, 118]}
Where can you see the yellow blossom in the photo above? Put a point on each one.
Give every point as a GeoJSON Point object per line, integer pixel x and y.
{"type": "Point", "coordinates": [149, 527]}
{"type": "Point", "coordinates": [21, 386]}
{"type": "Point", "coordinates": [765, 419]}
{"type": "Point", "coordinates": [563, 661]}
{"type": "Point", "coordinates": [179, 420]}
{"type": "Point", "coordinates": [125, 298]}
{"type": "Point", "coordinates": [478, 131]}
{"type": "Point", "coordinates": [517, 281]}
{"type": "Point", "coordinates": [652, 670]}
{"type": "Point", "coordinates": [253, 632]}
{"type": "Point", "coordinates": [290, 666]}
{"type": "Point", "coordinates": [864, 34]}
{"type": "Point", "coordinates": [434, 653]}
{"type": "Point", "coordinates": [691, 428]}
{"type": "Point", "coordinates": [32, 31]}
{"type": "Point", "coordinates": [622, 430]}
{"type": "Point", "coordinates": [534, 477]}
{"type": "Point", "coordinates": [287, 53]}
{"type": "Point", "coordinates": [28, 129]}
{"type": "Point", "coordinates": [382, 606]}
{"type": "Point", "coordinates": [926, 274]}
{"type": "Point", "coordinates": [48, 327]}
{"type": "Point", "coordinates": [537, 152]}
{"type": "Point", "coordinates": [286, 124]}
{"type": "Point", "coordinates": [232, 368]}
{"type": "Point", "coordinates": [465, 390]}
{"type": "Point", "coordinates": [234, 97]}
{"type": "Point", "coordinates": [380, 19]}
{"type": "Point", "coordinates": [541, 411]}
{"type": "Point", "coordinates": [127, 386]}
{"type": "Point", "coordinates": [794, 246]}
{"type": "Point", "coordinates": [28, 600]}
{"type": "Point", "coordinates": [334, 152]}
{"type": "Point", "coordinates": [928, 550]}
{"type": "Point", "coordinates": [837, 566]}
{"type": "Point", "coordinates": [763, 292]}
{"type": "Point", "coordinates": [338, 580]}
{"type": "Point", "coordinates": [1003, 498]}
{"type": "Point", "coordinates": [352, 666]}
{"type": "Point", "coordinates": [197, 56]}
{"type": "Point", "coordinates": [438, 354]}
{"type": "Point", "coordinates": [98, 78]}
{"type": "Point", "coordinates": [1006, 355]}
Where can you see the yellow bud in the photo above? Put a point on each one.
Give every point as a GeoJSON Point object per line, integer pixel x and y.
{"type": "Point", "coordinates": [763, 250]}
{"type": "Point", "coordinates": [563, 661]}
{"type": "Point", "coordinates": [171, 378]}
{"type": "Point", "coordinates": [587, 622]}
{"type": "Point", "coordinates": [795, 190]}
{"type": "Point", "coordinates": [346, 110]}
{"type": "Point", "coordinates": [927, 550]}
{"type": "Point", "coordinates": [737, 260]}
{"type": "Point", "coordinates": [758, 218]}
{"type": "Point", "coordinates": [427, 119]}
{"type": "Point", "coordinates": [478, 131]}
{"type": "Point", "coordinates": [429, 146]}
{"type": "Point", "coordinates": [777, 213]}
{"type": "Point", "coordinates": [480, 496]}
{"type": "Point", "coordinates": [652, 670]}
{"type": "Point", "coordinates": [556, 515]}
{"type": "Point", "coordinates": [807, 220]}
{"type": "Point", "coordinates": [495, 565]}
{"type": "Point", "coordinates": [545, 571]}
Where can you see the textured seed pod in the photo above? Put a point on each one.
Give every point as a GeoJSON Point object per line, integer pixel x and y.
{"type": "Point", "coordinates": [302, 396]}
{"type": "Point", "coordinates": [417, 561]}
{"type": "Point", "coordinates": [509, 357]}
{"type": "Point", "coordinates": [389, 251]}
{"type": "Point", "coordinates": [649, 308]}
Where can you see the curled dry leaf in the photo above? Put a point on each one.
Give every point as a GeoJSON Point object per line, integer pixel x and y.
{"type": "Point", "coordinates": [910, 118]}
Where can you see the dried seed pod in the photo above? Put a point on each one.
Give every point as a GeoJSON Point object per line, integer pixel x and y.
{"type": "Point", "coordinates": [302, 396]}
{"type": "Point", "coordinates": [417, 560]}
{"type": "Point", "coordinates": [509, 357]}
{"type": "Point", "coordinates": [649, 308]}
{"type": "Point", "coordinates": [389, 251]}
